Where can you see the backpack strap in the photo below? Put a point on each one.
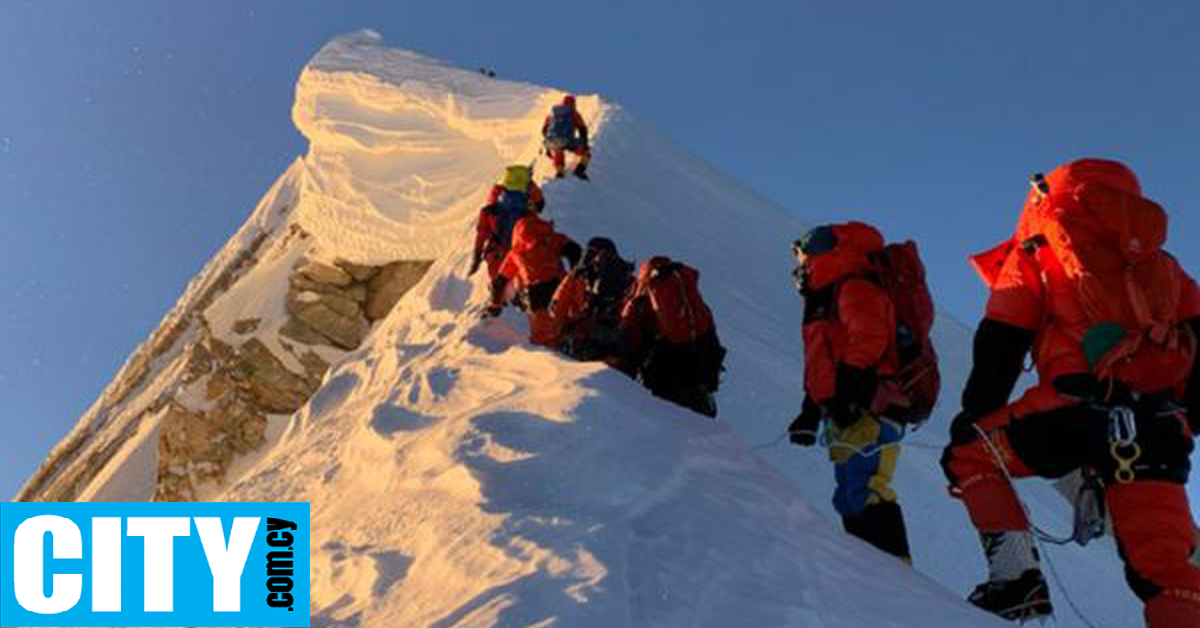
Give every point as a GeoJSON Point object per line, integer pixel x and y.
{"type": "Point", "coordinates": [825, 301]}
{"type": "Point", "coordinates": [1126, 343]}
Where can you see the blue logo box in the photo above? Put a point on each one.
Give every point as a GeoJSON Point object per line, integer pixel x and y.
{"type": "Point", "coordinates": [154, 564]}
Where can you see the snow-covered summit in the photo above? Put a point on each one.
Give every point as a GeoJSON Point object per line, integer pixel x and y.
{"type": "Point", "coordinates": [460, 477]}
{"type": "Point", "coordinates": [400, 145]}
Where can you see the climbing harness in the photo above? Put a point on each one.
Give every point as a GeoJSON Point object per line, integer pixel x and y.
{"type": "Point", "coordinates": [1122, 442]}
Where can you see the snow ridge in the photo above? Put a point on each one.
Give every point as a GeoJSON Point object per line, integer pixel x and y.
{"type": "Point", "coordinates": [461, 478]}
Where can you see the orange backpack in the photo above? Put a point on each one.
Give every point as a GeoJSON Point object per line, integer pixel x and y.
{"type": "Point", "coordinates": [1103, 247]}
{"type": "Point", "coordinates": [674, 295]}
{"type": "Point", "coordinates": [537, 251]}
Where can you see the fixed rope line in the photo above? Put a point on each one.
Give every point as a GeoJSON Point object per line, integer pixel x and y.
{"type": "Point", "coordinates": [866, 452]}
{"type": "Point", "coordinates": [1038, 533]}
{"type": "Point", "coordinates": [1040, 536]}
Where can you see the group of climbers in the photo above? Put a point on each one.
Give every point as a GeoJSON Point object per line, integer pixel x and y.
{"type": "Point", "coordinates": [1111, 322]}
{"type": "Point", "coordinates": [1084, 288]}
{"type": "Point", "coordinates": [654, 326]}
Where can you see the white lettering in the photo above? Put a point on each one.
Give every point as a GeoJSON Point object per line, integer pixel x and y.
{"type": "Point", "coordinates": [106, 564]}
{"type": "Point", "coordinates": [225, 563]}
{"type": "Point", "coordinates": [65, 542]}
{"type": "Point", "coordinates": [159, 533]}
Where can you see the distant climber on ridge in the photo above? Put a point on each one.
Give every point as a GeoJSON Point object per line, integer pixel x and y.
{"type": "Point", "coordinates": [508, 202]}
{"type": "Point", "coordinates": [564, 130]}
{"type": "Point", "coordinates": [534, 266]}
{"type": "Point", "coordinates": [587, 305]}
{"type": "Point", "coordinates": [1111, 320]}
{"type": "Point", "coordinates": [869, 368]}
{"type": "Point", "coordinates": [671, 337]}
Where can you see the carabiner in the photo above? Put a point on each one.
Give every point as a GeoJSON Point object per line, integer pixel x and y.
{"type": "Point", "coordinates": [1122, 426]}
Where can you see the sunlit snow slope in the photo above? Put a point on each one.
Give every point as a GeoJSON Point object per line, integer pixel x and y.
{"type": "Point", "coordinates": [460, 477]}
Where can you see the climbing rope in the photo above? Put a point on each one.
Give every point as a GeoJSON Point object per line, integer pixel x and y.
{"type": "Point", "coordinates": [826, 441]}
{"type": "Point", "coordinates": [1040, 537]}
{"type": "Point", "coordinates": [770, 444]}
{"type": "Point", "coordinates": [867, 452]}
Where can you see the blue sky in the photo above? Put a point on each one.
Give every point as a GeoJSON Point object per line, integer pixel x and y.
{"type": "Point", "coordinates": [135, 136]}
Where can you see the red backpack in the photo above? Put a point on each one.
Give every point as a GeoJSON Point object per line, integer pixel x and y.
{"type": "Point", "coordinates": [673, 293]}
{"type": "Point", "coordinates": [901, 275]}
{"type": "Point", "coordinates": [1105, 249]}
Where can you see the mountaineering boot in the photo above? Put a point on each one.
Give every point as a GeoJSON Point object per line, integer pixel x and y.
{"type": "Point", "coordinates": [581, 171]}
{"type": "Point", "coordinates": [705, 403]}
{"type": "Point", "coordinates": [881, 525]}
{"type": "Point", "coordinates": [1021, 600]}
{"type": "Point", "coordinates": [1010, 554]}
{"type": "Point", "coordinates": [695, 398]}
{"type": "Point", "coordinates": [1015, 589]}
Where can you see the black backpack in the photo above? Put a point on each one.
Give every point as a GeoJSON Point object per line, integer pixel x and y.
{"type": "Point", "coordinates": [608, 281]}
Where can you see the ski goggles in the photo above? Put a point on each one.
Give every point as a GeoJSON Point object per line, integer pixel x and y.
{"type": "Point", "coordinates": [1039, 184]}
{"type": "Point", "coordinates": [816, 242]}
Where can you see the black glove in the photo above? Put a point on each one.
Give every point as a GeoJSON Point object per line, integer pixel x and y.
{"type": "Point", "coordinates": [803, 430]}
{"type": "Point", "coordinates": [855, 393]}
{"type": "Point", "coordinates": [856, 387]}
{"type": "Point", "coordinates": [962, 428]}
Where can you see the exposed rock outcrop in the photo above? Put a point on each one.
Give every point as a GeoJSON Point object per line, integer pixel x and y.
{"type": "Point", "coordinates": [246, 326]}
{"type": "Point", "coordinates": [325, 274]}
{"type": "Point", "coordinates": [77, 458]}
{"type": "Point", "coordinates": [360, 272]}
{"type": "Point", "coordinates": [392, 283]}
{"type": "Point", "coordinates": [240, 387]}
{"type": "Point", "coordinates": [235, 387]}
{"type": "Point", "coordinates": [211, 395]}
{"type": "Point", "coordinates": [336, 304]}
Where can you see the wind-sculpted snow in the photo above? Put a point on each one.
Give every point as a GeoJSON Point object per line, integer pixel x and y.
{"type": "Point", "coordinates": [460, 477]}
{"type": "Point", "coordinates": [401, 144]}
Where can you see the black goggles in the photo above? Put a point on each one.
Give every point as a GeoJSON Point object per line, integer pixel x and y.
{"type": "Point", "coordinates": [1039, 184]}
{"type": "Point", "coordinates": [816, 242]}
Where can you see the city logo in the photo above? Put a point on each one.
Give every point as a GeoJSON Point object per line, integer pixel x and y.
{"type": "Point", "coordinates": [154, 564]}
